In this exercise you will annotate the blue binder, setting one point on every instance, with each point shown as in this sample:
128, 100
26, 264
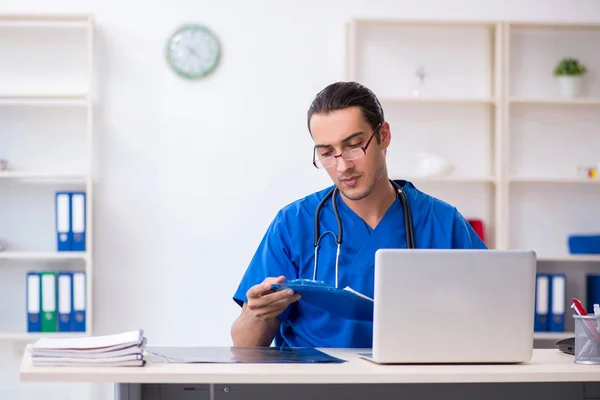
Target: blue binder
542, 302
344, 303
593, 292
79, 301
63, 221
65, 301
78, 220
558, 288
33, 301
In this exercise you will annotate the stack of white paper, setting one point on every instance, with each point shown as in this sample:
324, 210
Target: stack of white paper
118, 350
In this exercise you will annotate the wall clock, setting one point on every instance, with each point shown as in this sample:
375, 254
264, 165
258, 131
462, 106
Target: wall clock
193, 51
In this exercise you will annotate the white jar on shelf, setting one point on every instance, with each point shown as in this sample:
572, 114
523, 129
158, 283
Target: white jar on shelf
569, 86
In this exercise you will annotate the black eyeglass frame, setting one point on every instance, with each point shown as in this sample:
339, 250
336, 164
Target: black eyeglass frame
335, 157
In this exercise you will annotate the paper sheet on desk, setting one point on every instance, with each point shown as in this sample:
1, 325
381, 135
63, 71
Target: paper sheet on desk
347, 303
228, 355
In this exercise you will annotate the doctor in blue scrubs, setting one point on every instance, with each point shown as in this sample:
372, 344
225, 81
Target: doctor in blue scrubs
351, 136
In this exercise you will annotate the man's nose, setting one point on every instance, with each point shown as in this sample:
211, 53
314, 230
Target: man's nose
342, 164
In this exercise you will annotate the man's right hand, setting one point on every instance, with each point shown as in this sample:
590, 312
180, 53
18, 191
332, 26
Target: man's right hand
265, 304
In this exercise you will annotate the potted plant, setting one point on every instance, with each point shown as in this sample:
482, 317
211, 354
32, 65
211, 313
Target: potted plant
568, 73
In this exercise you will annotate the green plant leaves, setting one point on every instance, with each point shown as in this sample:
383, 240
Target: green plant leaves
569, 66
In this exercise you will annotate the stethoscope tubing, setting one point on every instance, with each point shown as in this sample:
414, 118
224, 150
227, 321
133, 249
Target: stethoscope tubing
410, 240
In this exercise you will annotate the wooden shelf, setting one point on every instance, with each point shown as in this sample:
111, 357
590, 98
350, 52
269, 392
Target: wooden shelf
57, 24
383, 22
557, 101
552, 335
450, 178
552, 25
44, 99
42, 255
533, 180
438, 100
43, 177
569, 258
33, 336
39, 20
44, 17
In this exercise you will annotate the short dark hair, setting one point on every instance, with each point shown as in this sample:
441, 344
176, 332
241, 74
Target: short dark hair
340, 95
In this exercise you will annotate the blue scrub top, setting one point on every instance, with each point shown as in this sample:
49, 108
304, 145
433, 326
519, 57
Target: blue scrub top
287, 249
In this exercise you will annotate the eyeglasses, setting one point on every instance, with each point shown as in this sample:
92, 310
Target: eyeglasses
348, 155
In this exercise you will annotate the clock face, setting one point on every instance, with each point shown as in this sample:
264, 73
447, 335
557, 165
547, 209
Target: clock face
193, 51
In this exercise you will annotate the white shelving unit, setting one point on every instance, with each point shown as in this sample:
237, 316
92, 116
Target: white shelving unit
47, 137
489, 105
462, 64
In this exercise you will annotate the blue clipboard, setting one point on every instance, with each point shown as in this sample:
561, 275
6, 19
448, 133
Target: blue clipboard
342, 302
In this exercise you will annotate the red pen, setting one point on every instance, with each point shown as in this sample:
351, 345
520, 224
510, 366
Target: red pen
578, 307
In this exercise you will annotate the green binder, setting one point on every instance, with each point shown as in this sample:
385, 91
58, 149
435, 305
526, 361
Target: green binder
49, 300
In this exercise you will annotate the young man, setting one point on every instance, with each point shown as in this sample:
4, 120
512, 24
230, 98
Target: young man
351, 136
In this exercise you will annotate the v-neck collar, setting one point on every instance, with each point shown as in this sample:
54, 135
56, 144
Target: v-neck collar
351, 219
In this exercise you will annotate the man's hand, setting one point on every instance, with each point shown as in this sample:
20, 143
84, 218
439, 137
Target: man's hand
267, 305
258, 322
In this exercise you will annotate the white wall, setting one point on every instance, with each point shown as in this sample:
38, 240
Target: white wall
175, 227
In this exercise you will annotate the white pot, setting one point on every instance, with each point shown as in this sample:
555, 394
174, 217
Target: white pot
568, 86
431, 165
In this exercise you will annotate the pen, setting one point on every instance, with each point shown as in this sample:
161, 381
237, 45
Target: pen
578, 307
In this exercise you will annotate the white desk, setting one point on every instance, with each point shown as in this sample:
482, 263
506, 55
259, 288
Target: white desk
549, 375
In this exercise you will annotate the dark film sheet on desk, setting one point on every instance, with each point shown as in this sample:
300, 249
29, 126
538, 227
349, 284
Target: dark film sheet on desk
230, 355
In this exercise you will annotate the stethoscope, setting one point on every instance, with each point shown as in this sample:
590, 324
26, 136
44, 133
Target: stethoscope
410, 240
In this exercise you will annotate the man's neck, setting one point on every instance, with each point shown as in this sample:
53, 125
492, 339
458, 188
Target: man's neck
372, 208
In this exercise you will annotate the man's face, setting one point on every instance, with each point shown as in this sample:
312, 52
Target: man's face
344, 130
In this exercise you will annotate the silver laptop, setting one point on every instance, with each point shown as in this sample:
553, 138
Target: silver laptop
453, 306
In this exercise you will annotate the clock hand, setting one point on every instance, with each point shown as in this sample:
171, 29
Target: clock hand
193, 52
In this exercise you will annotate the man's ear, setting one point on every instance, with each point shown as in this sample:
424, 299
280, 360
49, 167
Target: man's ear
385, 135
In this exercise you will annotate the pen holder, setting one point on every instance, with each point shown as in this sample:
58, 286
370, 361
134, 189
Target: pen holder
587, 339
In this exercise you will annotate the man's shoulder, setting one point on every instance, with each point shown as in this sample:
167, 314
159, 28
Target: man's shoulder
424, 199
305, 205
